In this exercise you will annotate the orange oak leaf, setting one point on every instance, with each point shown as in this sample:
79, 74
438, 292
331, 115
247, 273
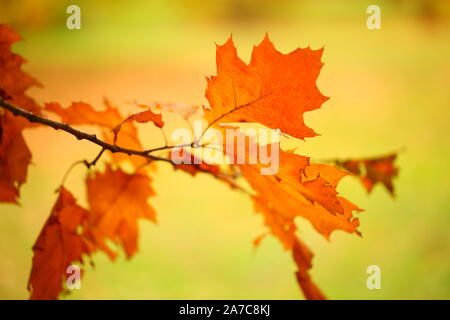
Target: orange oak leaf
141, 117
117, 200
285, 230
80, 113
315, 200
14, 82
274, 89
303, 257
374, 170
279, 226
320, 182
58, 246
297, 189
15, 155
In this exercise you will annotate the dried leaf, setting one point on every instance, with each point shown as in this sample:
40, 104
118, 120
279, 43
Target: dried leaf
117, 200
80, 113
274, 89
14, 82
15, 155
303, 257
285, 230
141, 117
58, 246
374, 170
315, 200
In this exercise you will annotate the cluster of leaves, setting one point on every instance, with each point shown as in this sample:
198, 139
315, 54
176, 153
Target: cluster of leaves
274, 90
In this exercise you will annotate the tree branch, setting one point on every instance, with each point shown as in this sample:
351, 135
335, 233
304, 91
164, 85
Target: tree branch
80, 135
94, 162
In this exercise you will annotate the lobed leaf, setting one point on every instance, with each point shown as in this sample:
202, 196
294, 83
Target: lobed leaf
58, 246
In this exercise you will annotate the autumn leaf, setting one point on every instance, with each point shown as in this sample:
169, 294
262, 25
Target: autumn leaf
117, 200
274, 89
373, 170
14, 82
315, 200
58, 246
141, 117
303, 257
15, 155
299, 188
80, 113
285, 230
282, 197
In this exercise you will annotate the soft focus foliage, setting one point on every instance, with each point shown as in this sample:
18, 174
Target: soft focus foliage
275, 90
387, 91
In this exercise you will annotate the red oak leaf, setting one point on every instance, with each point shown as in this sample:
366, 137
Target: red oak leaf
58, 246
117, 200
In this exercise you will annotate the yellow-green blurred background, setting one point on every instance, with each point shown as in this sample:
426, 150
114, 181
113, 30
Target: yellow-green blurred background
389, 90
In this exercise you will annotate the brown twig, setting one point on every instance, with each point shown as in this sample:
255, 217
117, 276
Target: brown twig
80, 135
93, 162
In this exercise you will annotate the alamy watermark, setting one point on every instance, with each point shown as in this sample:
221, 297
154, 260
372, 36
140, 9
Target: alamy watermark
73, 273
374, 280
374, 20
228, 146
74, 20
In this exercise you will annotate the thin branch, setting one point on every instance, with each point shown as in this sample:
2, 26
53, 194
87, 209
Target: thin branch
93, 162
195, 143
80, 135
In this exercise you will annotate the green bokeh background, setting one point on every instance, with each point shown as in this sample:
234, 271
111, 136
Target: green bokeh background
389, 91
